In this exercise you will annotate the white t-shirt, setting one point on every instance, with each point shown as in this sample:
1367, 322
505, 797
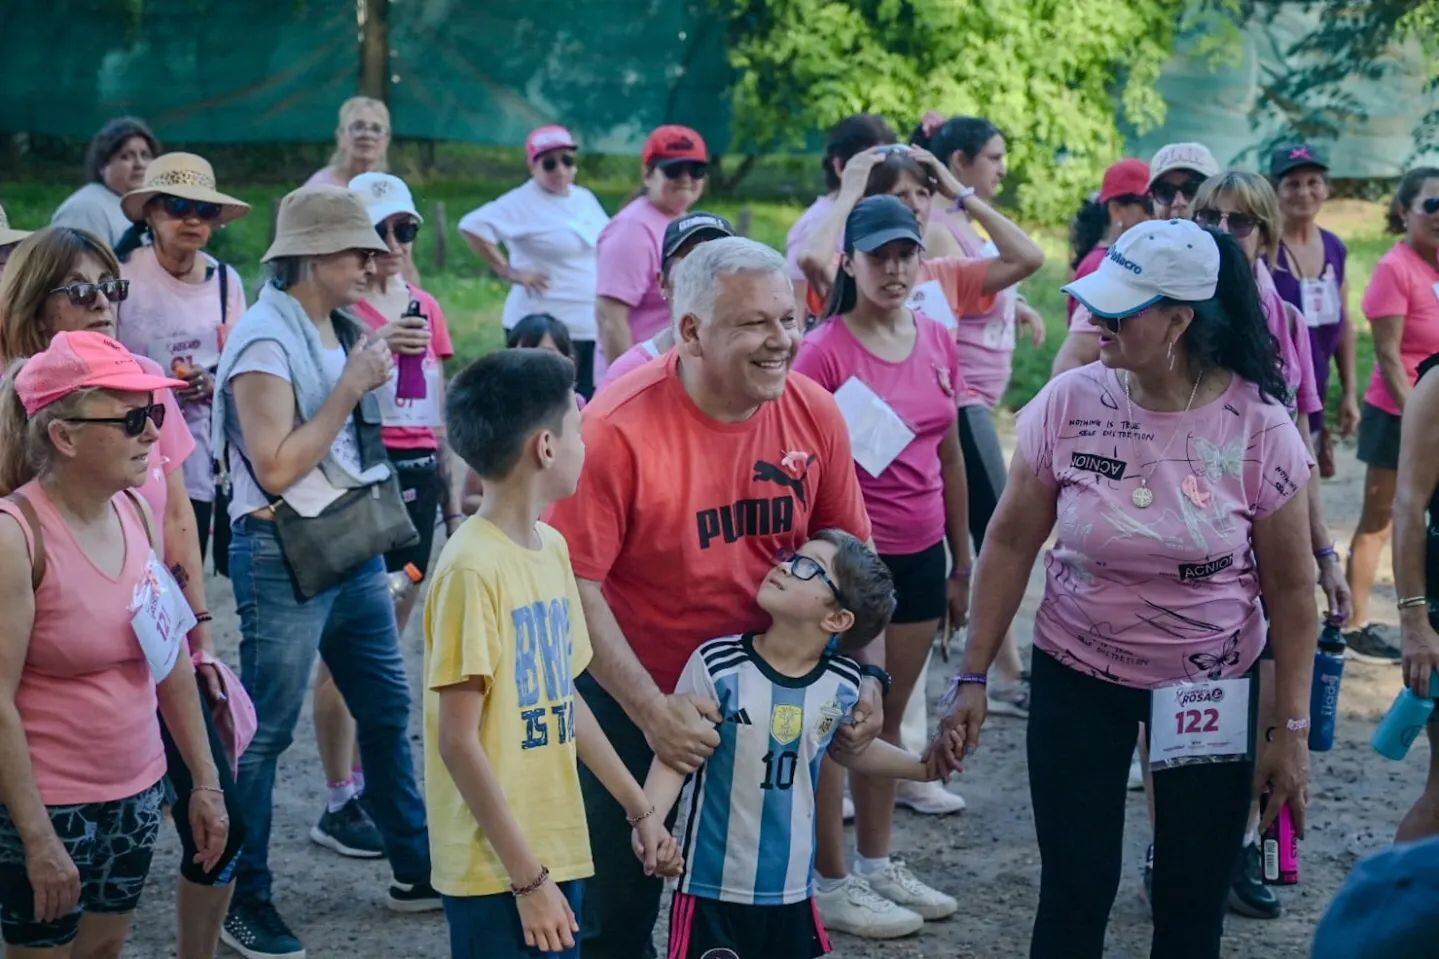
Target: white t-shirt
546, 233
266, 356
94, 207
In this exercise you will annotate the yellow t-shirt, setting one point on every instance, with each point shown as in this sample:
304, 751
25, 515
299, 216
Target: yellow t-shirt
511, 616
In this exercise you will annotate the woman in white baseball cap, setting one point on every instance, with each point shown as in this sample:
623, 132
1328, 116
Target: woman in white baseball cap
1175, 478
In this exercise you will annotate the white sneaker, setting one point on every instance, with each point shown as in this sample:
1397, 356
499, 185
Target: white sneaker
853, 907
1009, 699
847, 809
897, 884
928, 799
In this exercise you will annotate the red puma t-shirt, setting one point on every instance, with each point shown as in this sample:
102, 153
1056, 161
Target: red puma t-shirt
680, 515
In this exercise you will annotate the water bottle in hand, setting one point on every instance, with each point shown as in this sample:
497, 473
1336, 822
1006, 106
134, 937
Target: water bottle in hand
1324, 692
411, 382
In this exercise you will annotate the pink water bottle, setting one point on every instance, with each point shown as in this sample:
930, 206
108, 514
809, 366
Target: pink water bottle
1280, 847
411, 382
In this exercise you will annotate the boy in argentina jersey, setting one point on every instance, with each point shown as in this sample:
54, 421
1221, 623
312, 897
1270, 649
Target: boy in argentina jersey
746, 817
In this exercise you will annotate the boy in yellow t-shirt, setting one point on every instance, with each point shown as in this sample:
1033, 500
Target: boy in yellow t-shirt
504, 638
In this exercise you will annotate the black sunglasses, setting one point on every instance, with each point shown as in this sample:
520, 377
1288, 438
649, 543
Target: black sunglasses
1110, 323
133, 421
550, 162
1431, 205
83, 294
182, 209
1237, 225
405, 231
805, 568
1165, 192
694, 169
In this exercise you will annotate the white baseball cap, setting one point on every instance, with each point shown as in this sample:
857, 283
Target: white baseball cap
1183, 156
384, 195
1156, 260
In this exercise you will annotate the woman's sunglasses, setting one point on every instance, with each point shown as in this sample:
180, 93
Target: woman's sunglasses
550, 162
804, 568
694, 170
1165, 192
405, 231
132, 422
83, 294
182, 209
1237, 225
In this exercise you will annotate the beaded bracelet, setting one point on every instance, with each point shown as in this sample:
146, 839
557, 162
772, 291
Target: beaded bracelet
636, 820
521, 891
203, 617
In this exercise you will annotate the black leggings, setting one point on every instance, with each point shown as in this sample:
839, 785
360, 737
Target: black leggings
1081, 736
983, 467
180, 787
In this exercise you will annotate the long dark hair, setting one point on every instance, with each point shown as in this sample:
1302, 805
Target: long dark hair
1088, 227
897, 163
1230, 330
532, 329
967, 135
1410, 186
844, 293
853, 134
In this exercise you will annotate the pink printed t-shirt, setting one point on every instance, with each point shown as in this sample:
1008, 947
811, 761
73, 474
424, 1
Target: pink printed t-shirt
906, 501
985, 337
441, 348
86, 699
1294, 350
629, 266
632, 359
168, 454
1086, 266
1170, 593
798, 237
1404, 285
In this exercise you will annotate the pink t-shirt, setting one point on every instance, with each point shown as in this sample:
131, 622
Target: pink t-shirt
629, 266
798, 237
168, 454
633, 358
441, 349
1294, 349
326, 176
1405, 285
1149, 597
985, 337
1086, 266
85, 698
906, 501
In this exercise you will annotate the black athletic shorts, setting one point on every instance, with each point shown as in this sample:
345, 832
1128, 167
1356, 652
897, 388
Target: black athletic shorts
419, 474
711, 929
919, 588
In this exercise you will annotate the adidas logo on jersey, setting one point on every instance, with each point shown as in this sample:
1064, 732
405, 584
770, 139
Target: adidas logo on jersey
740, 718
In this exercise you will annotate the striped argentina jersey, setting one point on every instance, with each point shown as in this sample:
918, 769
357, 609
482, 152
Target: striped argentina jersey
746, 819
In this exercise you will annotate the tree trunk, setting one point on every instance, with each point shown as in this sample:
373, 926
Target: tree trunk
375, 49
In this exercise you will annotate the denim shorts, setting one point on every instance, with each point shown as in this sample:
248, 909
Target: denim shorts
110, 843
488, 927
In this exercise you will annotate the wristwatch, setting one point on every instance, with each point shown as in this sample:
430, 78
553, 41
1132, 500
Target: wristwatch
879, 674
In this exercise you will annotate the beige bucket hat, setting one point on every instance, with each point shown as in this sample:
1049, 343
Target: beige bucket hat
7, 235
184, 175
319, 220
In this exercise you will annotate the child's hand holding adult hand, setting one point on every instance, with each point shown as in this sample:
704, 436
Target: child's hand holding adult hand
547, 918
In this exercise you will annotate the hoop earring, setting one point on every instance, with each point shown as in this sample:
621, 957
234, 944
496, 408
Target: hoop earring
1171, 356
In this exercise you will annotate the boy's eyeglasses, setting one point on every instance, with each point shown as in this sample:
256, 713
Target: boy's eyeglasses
1165, 192
1237, 225
132, 422
83, 294
405, 231
805, 568
550, 162
180, 208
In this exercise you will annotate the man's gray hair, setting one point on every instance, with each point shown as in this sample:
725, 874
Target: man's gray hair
696, 279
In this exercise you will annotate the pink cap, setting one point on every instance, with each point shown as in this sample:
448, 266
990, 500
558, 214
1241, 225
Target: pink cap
84, 360
546, 138
1128, 177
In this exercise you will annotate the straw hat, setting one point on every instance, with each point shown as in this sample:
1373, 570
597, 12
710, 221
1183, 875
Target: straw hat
7, 235
184, 175
319, 220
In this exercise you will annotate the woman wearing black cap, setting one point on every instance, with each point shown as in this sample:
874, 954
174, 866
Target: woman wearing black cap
115, 163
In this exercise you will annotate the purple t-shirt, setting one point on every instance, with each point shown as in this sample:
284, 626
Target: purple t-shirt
906, 501
1169, 593
633, 358
628, 266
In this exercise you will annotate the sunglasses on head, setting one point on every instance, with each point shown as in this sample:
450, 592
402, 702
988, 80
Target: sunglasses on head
805, 568
1165, 192
1430, 205
694, 169
181, 208
132, 422
405, 231
1237, 225
83, 294
550, 162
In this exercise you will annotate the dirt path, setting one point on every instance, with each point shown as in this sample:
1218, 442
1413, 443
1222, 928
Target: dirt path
986, 855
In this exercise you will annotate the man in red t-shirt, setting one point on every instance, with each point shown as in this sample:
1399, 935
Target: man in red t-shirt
701, 469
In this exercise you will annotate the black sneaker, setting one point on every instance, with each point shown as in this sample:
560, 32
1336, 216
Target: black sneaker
1146, 880
413, 897
349, 832
1248, 895
256, 931
1370, 645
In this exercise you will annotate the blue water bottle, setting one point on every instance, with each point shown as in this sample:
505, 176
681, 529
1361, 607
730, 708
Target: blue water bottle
1405, 721
1324, 692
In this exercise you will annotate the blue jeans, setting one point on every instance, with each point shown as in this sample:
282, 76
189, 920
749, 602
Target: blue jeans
489, 927
352, 624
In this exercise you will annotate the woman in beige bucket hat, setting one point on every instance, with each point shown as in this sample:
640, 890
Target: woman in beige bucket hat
292, 407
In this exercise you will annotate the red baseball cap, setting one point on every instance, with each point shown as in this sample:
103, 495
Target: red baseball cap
671, 143
546, 138
1128, 177
84, 360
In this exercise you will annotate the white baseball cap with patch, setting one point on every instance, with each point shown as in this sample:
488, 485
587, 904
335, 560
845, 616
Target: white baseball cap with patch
1183, 156
1153, 261
384, 195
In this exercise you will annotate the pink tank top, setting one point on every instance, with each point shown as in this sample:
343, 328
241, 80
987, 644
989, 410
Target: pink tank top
86, 698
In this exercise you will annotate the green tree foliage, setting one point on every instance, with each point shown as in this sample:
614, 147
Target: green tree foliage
1049, 73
